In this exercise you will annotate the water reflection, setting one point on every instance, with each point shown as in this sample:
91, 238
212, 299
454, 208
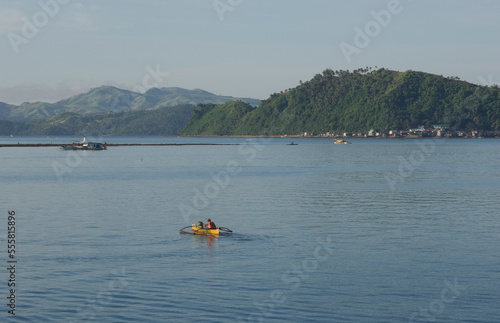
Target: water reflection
200, 240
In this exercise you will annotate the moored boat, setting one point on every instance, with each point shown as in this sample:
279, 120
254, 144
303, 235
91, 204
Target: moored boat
85, 145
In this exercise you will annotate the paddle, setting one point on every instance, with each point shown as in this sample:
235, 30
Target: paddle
186, 232
182, 230
220, 228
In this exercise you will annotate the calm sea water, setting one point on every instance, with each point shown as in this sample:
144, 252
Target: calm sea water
380, 230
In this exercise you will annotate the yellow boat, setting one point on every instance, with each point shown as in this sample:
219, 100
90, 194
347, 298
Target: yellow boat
206, 231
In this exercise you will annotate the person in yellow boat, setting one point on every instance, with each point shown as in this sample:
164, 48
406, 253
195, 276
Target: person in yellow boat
210, 224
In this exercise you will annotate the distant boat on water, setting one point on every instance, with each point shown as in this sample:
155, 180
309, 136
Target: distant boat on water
85, 145
341, 141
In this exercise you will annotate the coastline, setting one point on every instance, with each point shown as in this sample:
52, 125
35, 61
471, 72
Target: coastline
115, 145
19, 145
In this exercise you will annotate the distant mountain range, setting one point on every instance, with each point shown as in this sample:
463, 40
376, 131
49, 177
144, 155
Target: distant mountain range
109, 99
333, 101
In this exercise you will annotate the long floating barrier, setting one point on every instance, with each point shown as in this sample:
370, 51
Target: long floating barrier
115, 145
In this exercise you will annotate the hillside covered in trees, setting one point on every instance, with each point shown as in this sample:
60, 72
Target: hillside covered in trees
357, 101
109, 110
109, 99
167, 121
334, 101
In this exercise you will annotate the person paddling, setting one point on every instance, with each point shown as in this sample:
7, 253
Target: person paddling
210, 224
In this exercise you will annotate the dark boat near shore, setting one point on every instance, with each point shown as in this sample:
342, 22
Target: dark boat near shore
85, 145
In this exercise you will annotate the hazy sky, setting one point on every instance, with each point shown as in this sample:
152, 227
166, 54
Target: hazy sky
52, 49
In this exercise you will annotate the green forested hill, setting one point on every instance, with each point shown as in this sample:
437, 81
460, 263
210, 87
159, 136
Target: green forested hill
357, 101
166, 121
337, 101
5, 110
222, 119
109, 99
109, 110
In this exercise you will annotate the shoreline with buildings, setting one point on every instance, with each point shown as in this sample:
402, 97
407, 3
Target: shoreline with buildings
420, 132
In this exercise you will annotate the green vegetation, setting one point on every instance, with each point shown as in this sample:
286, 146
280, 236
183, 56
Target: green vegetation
167, 121
212, 119
108, 99
334, 101
357, 101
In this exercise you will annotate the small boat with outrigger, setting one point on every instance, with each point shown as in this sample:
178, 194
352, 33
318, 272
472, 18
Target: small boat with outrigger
202, 229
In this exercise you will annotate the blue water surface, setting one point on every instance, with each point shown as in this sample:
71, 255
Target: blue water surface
380, 230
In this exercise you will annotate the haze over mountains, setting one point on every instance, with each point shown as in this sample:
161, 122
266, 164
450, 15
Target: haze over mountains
109, 99
332, 101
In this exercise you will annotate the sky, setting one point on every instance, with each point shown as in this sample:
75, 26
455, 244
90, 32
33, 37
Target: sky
54, 49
